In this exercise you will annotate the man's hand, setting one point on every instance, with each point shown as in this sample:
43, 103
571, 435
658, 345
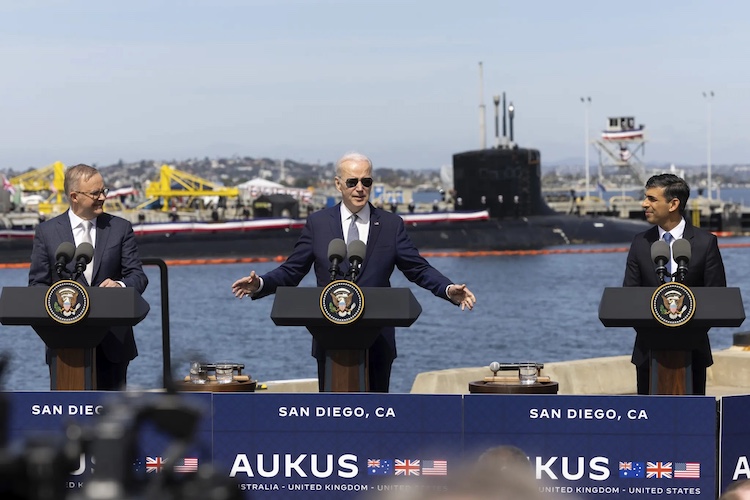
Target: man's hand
246, 286
109, 283
462, 296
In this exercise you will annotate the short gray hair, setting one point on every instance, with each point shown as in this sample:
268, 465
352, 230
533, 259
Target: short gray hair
75, 174
351, 156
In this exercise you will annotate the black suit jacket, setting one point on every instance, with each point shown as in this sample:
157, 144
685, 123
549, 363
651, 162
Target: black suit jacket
706, 268
115, 257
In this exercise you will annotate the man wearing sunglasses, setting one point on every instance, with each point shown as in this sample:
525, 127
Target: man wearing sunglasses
115, 262
388, 247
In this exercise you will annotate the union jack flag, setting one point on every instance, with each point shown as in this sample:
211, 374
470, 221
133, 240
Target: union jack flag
407, 467
8, 186
154, 464
659, 470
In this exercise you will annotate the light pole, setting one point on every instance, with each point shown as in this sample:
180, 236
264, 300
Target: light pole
709, 97
586, 103
511, 112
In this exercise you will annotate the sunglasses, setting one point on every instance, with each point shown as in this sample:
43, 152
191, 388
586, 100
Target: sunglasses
366, 182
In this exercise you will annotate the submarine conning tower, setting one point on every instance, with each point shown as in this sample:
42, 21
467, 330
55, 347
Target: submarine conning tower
505, 181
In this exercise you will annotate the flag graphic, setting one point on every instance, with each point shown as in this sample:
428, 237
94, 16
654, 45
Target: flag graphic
434, 467
407, 467
187, 465
632, 470
379, 467
154, 464
8, 186
659, 470
687, 470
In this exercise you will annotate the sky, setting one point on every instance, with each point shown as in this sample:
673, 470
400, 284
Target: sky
98, 82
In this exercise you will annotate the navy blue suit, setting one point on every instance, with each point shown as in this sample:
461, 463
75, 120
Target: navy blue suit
706, 268
115, 257
388, 247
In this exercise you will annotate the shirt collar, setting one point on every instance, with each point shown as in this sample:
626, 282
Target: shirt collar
364, 214
677, 233
75, 221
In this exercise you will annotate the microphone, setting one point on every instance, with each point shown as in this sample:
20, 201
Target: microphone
84, 254
357, 249
682, 254
660, 256
63, 255
336, 254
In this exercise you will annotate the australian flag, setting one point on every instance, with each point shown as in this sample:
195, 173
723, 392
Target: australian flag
632, 470
379, 467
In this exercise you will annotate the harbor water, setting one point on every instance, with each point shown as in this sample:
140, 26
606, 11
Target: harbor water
541, 308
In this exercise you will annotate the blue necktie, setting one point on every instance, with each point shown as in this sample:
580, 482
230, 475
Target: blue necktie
668, 238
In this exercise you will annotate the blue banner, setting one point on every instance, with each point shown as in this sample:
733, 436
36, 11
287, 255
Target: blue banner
735, 439
327, 446
618, 446
335, 445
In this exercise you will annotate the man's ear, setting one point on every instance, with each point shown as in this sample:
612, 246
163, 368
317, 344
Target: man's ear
674, 204
337, 183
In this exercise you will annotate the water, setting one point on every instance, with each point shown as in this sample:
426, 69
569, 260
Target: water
539, 308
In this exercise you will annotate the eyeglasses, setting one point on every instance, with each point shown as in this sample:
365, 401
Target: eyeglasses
366, 182
95, 194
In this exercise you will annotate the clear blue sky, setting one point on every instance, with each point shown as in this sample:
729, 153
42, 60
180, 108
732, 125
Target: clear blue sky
99, 81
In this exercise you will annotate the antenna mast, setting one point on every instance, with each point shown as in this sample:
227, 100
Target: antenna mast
482, 125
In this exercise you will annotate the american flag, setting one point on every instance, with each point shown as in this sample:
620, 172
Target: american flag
434, 467
154, 464
379, 467
632, 470
687, 470
407, 467
187, 465
659, 470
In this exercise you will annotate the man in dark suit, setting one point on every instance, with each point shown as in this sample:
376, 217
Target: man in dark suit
665, 203
388, 246
115, 263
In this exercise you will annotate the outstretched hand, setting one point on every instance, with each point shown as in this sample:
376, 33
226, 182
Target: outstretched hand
462, 296
246, 286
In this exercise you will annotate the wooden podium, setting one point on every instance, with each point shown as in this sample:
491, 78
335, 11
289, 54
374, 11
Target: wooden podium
345, 345
73, 364
670, 358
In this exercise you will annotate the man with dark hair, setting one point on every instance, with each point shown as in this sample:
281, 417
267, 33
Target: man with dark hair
665, 204
115, 263
388, 247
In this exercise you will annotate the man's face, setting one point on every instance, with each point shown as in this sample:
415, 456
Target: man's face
84, 204
659, 211
354, 198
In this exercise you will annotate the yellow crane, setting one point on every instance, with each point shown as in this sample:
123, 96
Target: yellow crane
173, 183
49, 179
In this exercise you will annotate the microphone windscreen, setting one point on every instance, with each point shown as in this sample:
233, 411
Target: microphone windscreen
357, 249
681, 250
66, 250
84, 251
337, 249
659, 250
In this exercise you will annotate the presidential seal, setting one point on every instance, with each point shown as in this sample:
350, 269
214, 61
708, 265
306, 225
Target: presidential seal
342, 302
673, 304
67, 302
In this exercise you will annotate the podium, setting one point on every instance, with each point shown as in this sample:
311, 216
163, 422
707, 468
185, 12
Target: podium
73, 365
345, 345
670, 359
